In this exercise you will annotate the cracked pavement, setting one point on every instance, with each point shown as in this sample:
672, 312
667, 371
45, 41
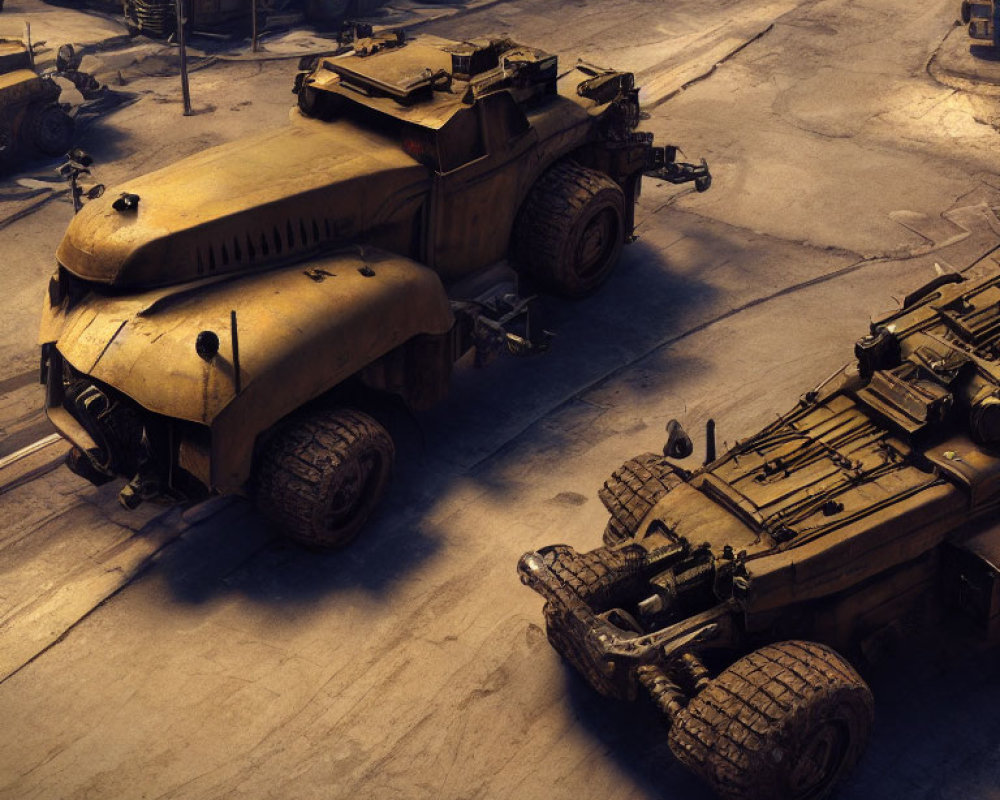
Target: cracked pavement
191, 655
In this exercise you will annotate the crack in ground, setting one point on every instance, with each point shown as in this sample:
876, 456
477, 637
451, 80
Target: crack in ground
137, 573
671, 340
141, 570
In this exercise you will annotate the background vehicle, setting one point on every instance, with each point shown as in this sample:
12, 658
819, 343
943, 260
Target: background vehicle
821, 531
215, 325
983, 20
158, 18
31, 118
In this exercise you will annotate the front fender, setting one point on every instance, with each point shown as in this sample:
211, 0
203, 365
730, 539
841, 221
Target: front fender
301, 330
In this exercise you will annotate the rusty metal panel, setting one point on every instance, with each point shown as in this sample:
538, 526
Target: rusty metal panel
889, 536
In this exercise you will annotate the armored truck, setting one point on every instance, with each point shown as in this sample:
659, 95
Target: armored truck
724, 593
221, 325
32, 120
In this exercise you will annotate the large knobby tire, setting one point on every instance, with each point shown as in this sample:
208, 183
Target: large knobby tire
51, 130
632, 490
8, 143
319, 477
786, 722
570, 231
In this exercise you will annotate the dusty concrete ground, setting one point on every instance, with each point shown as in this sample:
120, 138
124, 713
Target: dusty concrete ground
164, 655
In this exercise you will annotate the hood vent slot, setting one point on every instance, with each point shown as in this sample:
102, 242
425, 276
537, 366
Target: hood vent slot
211, 257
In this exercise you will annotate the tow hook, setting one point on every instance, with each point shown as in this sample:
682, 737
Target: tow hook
662, 164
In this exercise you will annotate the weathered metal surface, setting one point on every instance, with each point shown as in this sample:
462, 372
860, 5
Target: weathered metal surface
297, 337
983, 20
264, 201
19, 85
31, 118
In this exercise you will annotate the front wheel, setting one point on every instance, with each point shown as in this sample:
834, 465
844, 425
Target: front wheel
632, 491
320, 476
786, 722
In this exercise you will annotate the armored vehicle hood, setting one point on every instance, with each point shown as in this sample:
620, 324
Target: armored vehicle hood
264, 201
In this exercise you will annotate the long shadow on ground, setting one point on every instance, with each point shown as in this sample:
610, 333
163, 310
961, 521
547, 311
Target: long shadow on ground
487, 409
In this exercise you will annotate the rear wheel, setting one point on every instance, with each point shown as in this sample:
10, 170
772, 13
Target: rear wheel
51, 130
786, 722
570, 231
320, 476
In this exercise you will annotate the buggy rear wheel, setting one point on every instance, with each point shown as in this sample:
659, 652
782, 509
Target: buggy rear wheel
786, 722
320, 476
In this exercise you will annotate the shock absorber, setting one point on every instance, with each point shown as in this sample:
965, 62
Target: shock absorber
695, 674
666, 694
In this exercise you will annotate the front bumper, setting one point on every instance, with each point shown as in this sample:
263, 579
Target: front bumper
606, 654
109, 432
52, 371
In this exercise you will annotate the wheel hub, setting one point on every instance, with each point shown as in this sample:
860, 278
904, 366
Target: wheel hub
596, 242
353, 489
819, 760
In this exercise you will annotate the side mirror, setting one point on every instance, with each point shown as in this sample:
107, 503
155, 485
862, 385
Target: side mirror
678, 444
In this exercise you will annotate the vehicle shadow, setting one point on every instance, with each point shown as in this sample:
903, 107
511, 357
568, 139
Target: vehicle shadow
635, 736
984, 52
932, 738
477, 425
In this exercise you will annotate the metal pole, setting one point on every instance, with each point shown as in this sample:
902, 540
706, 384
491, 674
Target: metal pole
253, 39
185, 92
27, 41
75, 189
710, 441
